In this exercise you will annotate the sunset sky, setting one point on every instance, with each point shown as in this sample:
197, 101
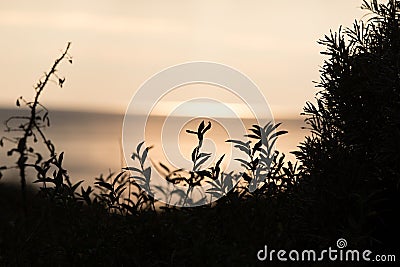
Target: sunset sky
117, 45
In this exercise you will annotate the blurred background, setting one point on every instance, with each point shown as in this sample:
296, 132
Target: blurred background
117, 45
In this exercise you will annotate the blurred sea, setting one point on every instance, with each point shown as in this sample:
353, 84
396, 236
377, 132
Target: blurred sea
92, 141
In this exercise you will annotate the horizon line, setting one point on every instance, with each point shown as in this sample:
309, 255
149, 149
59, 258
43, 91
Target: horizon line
116, 112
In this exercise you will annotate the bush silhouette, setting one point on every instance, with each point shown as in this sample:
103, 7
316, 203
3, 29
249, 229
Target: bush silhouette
350, 163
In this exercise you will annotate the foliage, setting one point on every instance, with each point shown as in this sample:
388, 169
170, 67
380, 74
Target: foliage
346, 183
121, 193
350, 163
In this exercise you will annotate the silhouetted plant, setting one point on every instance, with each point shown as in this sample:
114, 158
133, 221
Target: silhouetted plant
144, 176
195, 176
111, 190
61, 190
32, 130
198, 175
259, 155
258, 167
351, 160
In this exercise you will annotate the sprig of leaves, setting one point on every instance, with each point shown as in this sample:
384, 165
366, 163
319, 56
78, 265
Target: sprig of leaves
141, 176
259, 155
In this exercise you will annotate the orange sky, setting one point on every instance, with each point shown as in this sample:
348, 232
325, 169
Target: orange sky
117, 45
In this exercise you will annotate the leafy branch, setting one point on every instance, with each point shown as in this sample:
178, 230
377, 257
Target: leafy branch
259, 155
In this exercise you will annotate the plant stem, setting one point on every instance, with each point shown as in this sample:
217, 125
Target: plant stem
28, 131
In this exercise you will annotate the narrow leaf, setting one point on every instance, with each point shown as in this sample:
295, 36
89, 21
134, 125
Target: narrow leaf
207, 128
164, 167
198, 164
75, 186
61, 158
220, 160
278, 133
201, 127
132, 169
147, 173
139, 146
256, 131
105, 185
245, 163
144, 155
239, 143
252, 136
191, 132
